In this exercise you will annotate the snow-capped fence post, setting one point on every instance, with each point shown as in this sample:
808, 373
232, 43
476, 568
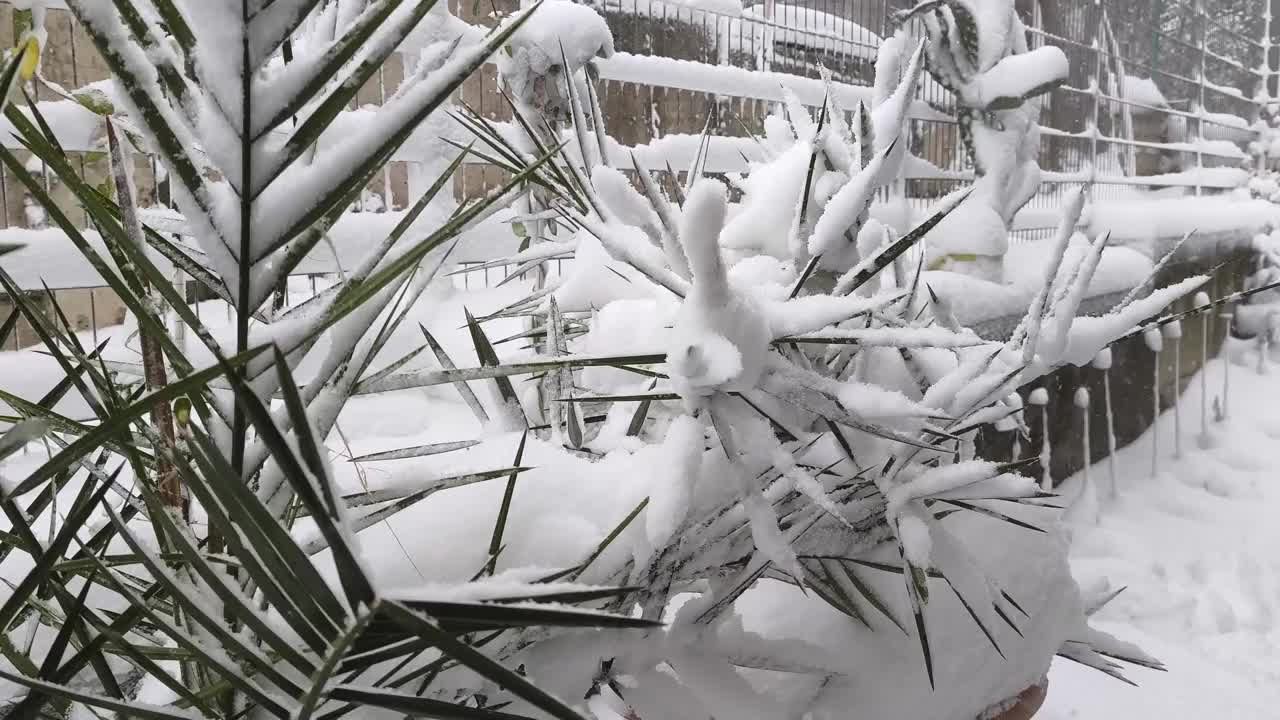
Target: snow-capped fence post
1102, 361
1173, 331
1229, 318
1201, 300
1086, 500
1155, 341
1040, 397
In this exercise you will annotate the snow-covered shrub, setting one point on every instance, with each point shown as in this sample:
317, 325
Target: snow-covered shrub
812, 519
977, 49
810, 200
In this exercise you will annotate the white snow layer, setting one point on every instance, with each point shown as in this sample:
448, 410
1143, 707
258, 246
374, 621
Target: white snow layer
1193, 546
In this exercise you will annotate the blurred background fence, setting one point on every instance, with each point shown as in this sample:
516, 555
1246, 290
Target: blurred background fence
1163, 95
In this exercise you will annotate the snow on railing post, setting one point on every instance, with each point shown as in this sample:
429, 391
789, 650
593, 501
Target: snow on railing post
1229, 318
1102, 361
1040, 397
1012, 423
1155, 341
1173, 331
1086, 501
1202, 299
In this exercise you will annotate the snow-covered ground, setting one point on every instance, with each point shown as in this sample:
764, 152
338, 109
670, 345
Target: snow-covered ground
1196, 546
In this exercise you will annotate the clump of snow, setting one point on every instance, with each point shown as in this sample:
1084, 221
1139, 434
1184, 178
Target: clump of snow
1154, 340
1017, 76
720, 338
914, 534
672, 493
1081, 398
548, 50
1143, 91
772, 194
594, 278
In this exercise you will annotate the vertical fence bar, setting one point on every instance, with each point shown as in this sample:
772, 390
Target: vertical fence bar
93, 313
766, 40
4, 195
1095, 88
1264, 96
386, 169
1202, 24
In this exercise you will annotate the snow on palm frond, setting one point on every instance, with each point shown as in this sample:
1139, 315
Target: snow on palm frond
240, 133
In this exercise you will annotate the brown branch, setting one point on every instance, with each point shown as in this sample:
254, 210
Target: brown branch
152, 354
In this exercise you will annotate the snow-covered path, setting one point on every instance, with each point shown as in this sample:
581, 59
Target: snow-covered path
1198, 547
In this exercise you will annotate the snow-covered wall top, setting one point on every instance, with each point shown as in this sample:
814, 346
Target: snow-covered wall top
1141, 220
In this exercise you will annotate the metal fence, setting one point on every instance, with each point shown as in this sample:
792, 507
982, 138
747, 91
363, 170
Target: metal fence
1162, 93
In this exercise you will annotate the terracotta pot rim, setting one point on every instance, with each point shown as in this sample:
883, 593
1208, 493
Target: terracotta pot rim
1026, 704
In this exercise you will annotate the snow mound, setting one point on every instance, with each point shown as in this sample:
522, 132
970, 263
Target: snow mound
557, 41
